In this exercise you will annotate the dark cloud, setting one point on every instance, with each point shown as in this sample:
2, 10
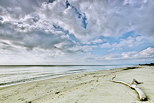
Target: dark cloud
36, 38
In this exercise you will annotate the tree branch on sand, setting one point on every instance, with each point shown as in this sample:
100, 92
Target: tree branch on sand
133, 85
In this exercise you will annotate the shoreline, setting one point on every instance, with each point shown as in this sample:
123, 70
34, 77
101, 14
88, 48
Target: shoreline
81, 88
21, 81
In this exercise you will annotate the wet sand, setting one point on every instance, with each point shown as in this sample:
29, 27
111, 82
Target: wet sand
91, 87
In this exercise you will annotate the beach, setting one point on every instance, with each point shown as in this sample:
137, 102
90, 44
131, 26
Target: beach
88, 87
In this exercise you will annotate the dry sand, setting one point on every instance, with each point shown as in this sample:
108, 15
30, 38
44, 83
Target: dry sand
92, 87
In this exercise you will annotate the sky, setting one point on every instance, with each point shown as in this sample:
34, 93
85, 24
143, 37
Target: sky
59, 32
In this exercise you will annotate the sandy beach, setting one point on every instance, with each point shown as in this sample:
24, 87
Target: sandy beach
91, 87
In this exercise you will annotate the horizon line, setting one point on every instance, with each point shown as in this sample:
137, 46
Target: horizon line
62, 65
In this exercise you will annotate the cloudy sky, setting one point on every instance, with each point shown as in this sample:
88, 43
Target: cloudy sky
76, 31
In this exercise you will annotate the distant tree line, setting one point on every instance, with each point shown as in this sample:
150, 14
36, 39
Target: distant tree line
151, 64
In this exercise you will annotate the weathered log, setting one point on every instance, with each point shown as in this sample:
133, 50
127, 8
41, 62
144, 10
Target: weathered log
141, 94
133, 85
135, 81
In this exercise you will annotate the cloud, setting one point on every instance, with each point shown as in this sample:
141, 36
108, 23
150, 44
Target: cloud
106, 18
72, 26
129, 42
149, 52
146, 53
110, 18
93, 42
38, 38
103, 17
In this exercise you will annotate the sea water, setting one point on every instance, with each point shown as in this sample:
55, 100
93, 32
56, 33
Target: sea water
10, 75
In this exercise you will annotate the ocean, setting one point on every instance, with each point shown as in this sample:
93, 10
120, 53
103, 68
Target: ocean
16, 74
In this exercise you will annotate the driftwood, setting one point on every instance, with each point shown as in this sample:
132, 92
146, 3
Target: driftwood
134, 86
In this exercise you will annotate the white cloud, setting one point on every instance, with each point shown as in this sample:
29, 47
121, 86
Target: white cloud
146, 53
149, 52
125, 43
95, 41
40, 24
105, 18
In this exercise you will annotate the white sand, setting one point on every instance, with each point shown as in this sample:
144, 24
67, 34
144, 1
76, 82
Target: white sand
92, 87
